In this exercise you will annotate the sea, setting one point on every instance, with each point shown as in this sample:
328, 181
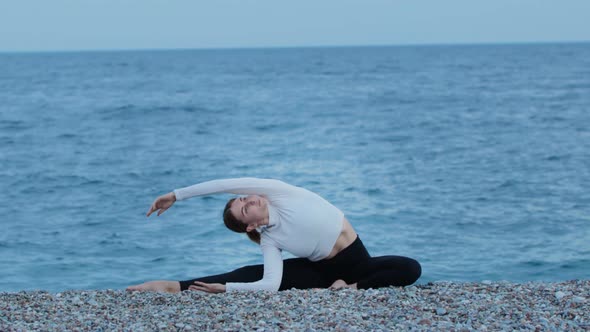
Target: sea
472, 159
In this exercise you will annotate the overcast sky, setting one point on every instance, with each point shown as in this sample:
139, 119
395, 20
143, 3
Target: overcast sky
164, 24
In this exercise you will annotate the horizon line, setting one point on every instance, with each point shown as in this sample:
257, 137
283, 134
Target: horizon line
237, 48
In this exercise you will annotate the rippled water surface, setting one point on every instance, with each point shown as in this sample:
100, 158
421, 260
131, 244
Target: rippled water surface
474, 160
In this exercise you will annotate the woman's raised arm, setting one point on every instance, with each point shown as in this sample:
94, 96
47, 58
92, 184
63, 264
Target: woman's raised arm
238, 186
247, 186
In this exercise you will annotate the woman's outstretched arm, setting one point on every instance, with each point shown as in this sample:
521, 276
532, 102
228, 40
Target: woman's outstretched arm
239, 186
249, 186
272, 276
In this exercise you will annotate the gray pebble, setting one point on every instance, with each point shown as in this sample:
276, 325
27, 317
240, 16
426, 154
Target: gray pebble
559, 295
440, 311
578, 299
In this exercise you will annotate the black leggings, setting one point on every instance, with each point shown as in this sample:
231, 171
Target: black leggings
352, 264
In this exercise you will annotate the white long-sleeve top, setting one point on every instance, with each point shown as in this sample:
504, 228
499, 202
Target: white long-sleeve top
300, 221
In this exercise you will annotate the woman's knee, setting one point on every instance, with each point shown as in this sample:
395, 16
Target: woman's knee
414, 270
407, 269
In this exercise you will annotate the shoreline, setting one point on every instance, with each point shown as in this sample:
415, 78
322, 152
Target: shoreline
433, 306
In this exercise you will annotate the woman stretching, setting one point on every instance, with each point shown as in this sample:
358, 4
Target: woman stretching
279, 216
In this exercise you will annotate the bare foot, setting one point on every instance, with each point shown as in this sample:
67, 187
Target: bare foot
342, 284
156, 286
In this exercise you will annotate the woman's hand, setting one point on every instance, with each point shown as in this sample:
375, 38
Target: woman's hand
205, 287
162, 203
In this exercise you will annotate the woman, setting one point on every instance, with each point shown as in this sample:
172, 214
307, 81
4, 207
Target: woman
279, 216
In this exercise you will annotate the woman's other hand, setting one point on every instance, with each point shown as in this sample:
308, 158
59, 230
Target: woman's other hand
205, 287
162, 203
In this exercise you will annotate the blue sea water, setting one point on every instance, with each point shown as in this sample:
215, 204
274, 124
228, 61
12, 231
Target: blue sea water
474, 160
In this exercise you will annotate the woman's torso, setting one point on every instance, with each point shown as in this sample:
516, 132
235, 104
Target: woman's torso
346, 238
306, 225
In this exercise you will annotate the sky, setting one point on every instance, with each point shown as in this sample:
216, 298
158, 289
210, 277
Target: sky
68, 25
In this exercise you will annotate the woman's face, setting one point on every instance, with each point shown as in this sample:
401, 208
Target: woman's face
250, 209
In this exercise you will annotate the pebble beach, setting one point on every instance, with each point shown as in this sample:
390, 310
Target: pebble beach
483, 306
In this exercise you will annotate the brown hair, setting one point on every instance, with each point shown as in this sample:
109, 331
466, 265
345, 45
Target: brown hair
237, 226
